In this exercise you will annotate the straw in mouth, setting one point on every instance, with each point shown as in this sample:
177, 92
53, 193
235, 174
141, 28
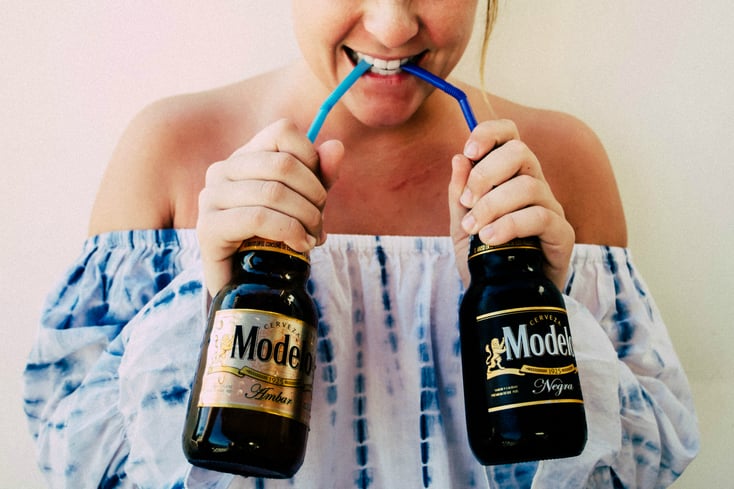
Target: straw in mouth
363, 67
445, 86
359, 70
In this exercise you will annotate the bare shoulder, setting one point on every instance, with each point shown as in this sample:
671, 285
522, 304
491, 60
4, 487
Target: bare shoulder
158, 167
577, 168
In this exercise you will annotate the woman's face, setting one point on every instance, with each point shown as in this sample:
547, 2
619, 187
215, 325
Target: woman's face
334, 34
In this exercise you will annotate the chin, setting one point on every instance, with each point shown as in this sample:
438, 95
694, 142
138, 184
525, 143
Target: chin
385, 114
384, 121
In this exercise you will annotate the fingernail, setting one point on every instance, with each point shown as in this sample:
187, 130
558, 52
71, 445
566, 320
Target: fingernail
469, 223
471, 150
311, 241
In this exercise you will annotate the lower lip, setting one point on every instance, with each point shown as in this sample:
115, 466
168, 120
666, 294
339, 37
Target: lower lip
377, 76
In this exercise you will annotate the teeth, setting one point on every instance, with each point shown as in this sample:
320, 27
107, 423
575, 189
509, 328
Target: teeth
382, 66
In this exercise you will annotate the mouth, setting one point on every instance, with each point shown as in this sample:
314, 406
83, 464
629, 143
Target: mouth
385, 67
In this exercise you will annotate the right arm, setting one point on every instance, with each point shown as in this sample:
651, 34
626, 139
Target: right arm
274, 187
72, 378
136, 189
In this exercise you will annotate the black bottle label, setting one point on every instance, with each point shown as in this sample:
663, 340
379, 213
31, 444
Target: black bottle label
529, 358
258, 360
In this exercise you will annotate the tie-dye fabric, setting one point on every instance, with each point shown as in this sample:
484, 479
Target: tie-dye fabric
109, 375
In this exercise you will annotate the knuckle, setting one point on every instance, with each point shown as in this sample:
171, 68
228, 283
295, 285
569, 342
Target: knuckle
282, 163
292, 228
320, 198
213, 173
484, 207
272, 191
283, 125
532, 185
511, 224
313, 219
510, 125
542, 216
257, 216
517, 148
479, 173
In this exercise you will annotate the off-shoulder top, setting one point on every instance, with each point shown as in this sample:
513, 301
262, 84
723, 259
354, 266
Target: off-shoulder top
108, 378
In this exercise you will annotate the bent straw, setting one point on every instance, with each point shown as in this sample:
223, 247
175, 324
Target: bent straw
442, 84
332, 99
362, 67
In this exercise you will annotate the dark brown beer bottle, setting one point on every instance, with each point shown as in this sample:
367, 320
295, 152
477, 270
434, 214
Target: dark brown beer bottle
250, 403
521, 386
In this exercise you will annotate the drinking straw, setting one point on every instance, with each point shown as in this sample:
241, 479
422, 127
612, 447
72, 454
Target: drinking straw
362, 67
445, 86
332, 99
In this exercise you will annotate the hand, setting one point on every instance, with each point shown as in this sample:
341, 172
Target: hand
274, 187
503, 196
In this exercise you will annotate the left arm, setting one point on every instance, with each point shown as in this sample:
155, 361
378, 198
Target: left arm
642, 425
505, 195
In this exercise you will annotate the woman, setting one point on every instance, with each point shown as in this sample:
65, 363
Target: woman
397, 184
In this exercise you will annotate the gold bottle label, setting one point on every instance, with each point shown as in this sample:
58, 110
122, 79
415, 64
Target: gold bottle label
269, 245
479, 248
259, 360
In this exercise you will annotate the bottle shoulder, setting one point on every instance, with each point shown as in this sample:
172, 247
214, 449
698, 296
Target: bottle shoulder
510, 292
256, 265
294, 302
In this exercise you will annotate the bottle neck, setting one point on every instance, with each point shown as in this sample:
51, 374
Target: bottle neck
521, 256
264, 260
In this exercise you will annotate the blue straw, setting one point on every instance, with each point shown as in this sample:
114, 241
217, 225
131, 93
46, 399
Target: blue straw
362, 67
442, 84
332, 99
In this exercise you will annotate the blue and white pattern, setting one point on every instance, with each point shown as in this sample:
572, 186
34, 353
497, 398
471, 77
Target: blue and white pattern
108, 379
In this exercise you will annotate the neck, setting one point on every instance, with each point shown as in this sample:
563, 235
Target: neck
393, 179
400, 151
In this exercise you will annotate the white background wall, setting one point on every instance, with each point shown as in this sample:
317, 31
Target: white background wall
654, 78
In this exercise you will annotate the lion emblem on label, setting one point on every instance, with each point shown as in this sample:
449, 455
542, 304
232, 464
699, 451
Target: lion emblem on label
494, 355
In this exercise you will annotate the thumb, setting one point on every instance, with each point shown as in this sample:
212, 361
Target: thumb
330, 156
460, 169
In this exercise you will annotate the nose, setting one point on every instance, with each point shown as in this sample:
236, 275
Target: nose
391, 22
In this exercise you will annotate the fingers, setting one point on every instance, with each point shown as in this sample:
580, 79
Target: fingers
502, 194
330, 156
557, 242
488, 136
283, 137
277, 181
265, 208
226, 227
505, 187
523, 204
506, 162
461, 167
274, 187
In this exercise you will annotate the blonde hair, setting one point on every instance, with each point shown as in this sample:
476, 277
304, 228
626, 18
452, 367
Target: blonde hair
489, 20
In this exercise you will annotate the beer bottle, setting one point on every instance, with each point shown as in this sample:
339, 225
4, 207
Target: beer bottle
250, 404
521, 386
